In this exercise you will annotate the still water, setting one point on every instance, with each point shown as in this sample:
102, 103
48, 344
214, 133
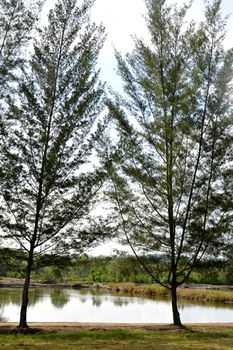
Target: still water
70, 305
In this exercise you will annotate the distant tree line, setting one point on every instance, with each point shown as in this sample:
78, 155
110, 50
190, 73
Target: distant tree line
118, 268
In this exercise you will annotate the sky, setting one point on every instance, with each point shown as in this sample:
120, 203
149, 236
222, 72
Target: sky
123, 19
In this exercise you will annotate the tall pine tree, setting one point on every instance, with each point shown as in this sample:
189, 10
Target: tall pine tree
48, 186
170, 177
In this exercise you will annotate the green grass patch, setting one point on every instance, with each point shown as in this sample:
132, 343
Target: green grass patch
192, 294
120, 339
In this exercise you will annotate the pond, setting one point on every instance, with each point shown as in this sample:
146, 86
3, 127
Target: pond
71, 305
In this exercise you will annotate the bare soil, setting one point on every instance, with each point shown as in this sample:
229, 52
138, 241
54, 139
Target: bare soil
11, 327
8, 282
18, 282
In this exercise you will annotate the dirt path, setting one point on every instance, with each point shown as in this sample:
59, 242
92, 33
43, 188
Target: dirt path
9, 282
18, 282
67, 326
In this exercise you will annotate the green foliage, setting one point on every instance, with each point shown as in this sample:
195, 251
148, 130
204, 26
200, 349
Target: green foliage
50, 275
45, 192
170, 182
12, 263
60, 99
116, 269
48, 187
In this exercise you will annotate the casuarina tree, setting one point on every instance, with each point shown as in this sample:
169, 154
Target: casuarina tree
48, 184
171, 173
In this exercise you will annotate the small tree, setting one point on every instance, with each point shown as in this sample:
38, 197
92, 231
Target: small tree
171, 171
47, 192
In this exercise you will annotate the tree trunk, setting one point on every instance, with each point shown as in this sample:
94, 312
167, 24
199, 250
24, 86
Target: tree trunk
175, 312
24, 304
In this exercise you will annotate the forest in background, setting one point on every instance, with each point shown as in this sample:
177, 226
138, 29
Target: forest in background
118, 268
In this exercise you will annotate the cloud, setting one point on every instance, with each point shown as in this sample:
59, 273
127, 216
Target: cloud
122, 19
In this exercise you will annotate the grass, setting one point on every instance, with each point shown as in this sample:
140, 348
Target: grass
121, 339
192, 294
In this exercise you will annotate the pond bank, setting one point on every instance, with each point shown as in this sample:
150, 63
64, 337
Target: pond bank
72, 326
202, 293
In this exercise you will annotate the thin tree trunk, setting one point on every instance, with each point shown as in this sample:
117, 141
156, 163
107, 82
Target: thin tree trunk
175, 312
24, 304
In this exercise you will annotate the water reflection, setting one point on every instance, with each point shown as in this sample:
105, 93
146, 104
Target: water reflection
97, 301
13, 296
69, 305
120, 302
59, 298
2, 318
10, 296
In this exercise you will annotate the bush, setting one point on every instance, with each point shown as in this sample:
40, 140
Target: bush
51, 275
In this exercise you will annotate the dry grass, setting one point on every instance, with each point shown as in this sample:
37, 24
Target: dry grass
192, 294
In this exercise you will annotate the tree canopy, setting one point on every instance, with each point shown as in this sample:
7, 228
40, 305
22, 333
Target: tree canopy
48, 186
172, 174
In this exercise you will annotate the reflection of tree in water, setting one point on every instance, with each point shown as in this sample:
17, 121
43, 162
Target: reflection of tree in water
91, 292
96, 301
205, 304
14, 295
59, 298
35, 295
120, 301
139, 301
2, 318
10, 296
82, 299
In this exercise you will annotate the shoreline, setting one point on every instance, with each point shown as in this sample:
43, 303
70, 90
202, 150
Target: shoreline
201, 293
76, 326
12, 282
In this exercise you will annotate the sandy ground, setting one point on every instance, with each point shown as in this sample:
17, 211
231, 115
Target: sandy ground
9, 282
18, 282
56, 326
